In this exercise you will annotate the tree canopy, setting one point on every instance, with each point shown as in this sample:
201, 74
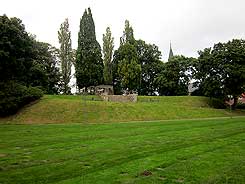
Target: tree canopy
108, 46
65, 55
127, 69
89, 63
149, 59
44, 72
175, 76
17, 58
16, 50
29, 67
221, 70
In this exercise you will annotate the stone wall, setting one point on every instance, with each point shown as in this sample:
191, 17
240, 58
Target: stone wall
120, 98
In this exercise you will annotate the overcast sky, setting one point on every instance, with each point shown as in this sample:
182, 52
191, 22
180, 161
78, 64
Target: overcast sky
191, 25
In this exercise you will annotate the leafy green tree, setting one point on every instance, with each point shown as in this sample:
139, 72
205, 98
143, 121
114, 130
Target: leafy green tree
149, 59
117, 56
126, 67
221, 70
65, 55
175, 76
16, 51
44, 72
89, 63
16, 60
108, 46
128, 34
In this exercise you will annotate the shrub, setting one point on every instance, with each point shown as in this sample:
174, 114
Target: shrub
33, 93
240, 105
217, 103
13, 96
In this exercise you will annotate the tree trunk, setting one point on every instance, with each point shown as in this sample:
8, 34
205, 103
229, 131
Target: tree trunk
235, 103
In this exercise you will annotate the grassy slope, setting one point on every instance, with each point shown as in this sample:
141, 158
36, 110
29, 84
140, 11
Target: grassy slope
185, 151
74, 109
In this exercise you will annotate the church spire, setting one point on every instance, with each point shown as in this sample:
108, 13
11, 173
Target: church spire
170, 53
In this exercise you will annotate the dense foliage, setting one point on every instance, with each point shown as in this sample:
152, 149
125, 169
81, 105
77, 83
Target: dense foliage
44, 72
221, 70
149, 59
89, 63
14, 95
108, 46
175, 76
27, 67
66, 56
16, 51
127, 69
137, 67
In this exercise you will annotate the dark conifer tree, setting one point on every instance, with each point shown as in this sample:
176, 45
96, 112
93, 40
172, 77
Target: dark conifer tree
89, 63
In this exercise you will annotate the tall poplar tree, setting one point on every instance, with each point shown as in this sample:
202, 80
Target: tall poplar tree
128, 34
89, 63
108, 46
66, 55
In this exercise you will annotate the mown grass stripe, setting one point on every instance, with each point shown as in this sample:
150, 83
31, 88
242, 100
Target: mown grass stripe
113, 153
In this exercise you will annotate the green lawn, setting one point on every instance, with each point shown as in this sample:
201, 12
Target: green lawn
181, 151
75, 109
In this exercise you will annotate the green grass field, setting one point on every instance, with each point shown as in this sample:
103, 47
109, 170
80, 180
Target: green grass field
67, 140
182, 151
75, 109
